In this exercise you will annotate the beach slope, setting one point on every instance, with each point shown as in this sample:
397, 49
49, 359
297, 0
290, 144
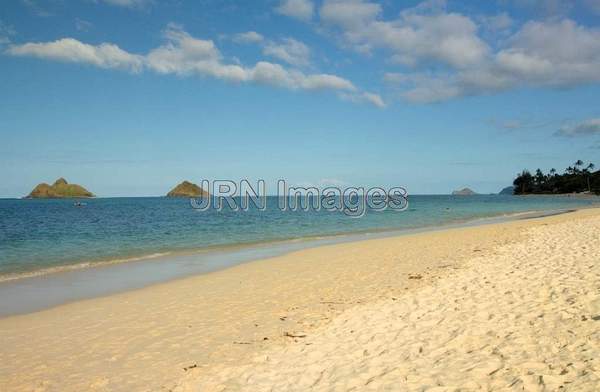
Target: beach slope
526, 317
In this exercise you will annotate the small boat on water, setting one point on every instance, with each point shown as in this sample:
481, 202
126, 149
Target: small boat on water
79, 204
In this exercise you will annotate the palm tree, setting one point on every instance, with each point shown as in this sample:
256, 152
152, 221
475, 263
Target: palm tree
591, 167
551, 180
539, 179
594, 176
576, 178
587, 172
523, 183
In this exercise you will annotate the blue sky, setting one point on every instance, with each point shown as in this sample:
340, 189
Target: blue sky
130, 97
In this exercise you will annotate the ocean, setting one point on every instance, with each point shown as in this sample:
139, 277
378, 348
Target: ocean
40, 236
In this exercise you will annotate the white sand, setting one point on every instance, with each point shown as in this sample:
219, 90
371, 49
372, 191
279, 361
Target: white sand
526, 318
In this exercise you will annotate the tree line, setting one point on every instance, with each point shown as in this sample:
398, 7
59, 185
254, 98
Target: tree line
575, 179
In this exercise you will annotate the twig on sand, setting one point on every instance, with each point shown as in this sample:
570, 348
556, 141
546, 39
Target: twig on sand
291, 335
190, 367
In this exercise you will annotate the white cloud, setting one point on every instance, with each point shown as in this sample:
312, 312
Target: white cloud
584, 128
351, 15
289, 50
70, 50
276, 75
249, 37
299, 9
375, 99
360, 97
553, 53
363, 97
184, 55
273, 74
420, 34
426, 88
541, 54
326, 82
451, 57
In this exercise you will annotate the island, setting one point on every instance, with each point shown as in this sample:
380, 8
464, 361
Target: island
61, 189
464, 192
187, 189
509, 190
576, 179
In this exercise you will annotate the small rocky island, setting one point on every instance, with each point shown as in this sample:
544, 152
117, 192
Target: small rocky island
61, 189
509, 190
464, 192
187, 189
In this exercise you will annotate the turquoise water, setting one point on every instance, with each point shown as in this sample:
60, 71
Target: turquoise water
44, 234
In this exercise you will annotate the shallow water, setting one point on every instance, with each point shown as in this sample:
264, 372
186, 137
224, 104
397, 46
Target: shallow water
50, 235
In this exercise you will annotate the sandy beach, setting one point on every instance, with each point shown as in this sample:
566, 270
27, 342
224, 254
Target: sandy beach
508, 306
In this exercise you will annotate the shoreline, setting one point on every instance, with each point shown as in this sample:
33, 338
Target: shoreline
25, 264
144, 339
359, 234
90, 280
141, 257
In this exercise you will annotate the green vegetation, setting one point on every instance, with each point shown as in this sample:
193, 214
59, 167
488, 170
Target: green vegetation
576, 179
60, 189
187, 189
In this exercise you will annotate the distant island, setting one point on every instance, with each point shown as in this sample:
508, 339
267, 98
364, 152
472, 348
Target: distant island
509, 190
187, 189
464, 192
59, 190
579, 178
